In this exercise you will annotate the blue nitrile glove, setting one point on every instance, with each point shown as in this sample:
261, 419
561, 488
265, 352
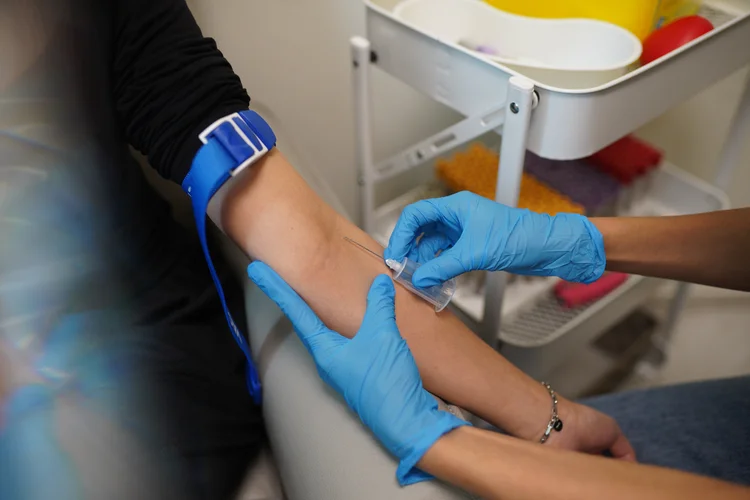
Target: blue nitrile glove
474, 233
375, 371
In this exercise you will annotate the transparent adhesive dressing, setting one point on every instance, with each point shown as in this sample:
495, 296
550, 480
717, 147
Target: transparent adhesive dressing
438, 295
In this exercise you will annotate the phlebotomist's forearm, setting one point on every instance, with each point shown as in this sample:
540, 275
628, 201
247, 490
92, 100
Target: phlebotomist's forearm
710, 249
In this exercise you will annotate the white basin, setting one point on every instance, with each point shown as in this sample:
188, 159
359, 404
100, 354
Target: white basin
566, 53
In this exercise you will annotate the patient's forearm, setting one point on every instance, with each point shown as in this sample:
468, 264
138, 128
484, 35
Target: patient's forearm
503, 468
275, 217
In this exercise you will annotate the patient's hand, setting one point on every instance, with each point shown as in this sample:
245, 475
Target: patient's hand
589, 431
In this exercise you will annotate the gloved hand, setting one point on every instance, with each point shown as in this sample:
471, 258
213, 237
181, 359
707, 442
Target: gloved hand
374, 372
474, 233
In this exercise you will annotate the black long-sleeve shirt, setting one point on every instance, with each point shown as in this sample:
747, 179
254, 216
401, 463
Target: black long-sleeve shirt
137, 73
169, 82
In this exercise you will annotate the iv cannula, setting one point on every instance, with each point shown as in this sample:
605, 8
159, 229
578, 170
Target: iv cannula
438, 295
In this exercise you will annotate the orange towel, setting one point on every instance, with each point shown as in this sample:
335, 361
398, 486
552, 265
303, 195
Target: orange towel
475, 170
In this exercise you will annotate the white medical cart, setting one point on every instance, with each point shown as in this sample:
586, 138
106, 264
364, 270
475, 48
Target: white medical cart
522, 319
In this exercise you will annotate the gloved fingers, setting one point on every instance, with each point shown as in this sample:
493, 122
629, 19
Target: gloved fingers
311, 330
428, 247
410, 225
381, 308
440, 269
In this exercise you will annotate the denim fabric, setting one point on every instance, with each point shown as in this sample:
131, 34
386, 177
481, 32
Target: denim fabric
702, 427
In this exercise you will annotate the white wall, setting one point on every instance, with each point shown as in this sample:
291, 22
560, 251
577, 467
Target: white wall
692, 134
293, 56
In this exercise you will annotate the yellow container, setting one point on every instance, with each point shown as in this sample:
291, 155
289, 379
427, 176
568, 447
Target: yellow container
638, 16
669, 10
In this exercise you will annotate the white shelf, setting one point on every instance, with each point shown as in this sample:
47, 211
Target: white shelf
568, 123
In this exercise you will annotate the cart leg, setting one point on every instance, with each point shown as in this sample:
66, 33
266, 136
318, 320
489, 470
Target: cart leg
736, 140
520, 103
730, 158
660, 341
362, 124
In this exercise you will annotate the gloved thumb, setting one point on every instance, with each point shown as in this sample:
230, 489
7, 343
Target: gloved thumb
381, 308
408, 227
439, 270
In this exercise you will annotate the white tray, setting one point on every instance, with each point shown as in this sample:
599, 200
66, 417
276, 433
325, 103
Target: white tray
533, 322
568, 123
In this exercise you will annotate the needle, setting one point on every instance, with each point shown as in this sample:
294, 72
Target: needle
362, 247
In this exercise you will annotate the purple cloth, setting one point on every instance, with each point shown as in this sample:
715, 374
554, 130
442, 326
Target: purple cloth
582, 183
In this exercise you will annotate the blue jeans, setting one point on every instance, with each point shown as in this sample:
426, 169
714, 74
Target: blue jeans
703, 428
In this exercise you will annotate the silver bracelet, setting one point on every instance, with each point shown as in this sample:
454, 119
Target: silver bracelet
554, 421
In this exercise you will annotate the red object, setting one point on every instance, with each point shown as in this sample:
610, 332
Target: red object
575, 294
673, 36
627, 159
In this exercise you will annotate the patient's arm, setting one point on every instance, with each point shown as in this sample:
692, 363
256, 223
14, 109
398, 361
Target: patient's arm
498, 467
275, 217
170, 83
